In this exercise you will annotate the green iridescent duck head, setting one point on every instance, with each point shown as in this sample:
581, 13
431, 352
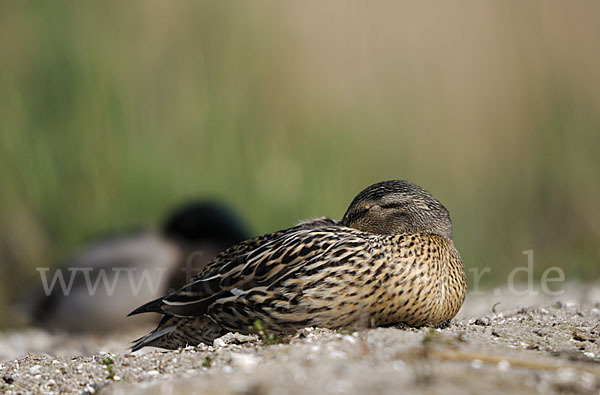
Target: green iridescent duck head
393, 207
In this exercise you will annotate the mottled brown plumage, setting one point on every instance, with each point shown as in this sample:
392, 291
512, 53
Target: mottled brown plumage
390, 260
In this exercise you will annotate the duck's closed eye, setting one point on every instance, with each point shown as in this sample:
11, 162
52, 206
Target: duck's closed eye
392, 205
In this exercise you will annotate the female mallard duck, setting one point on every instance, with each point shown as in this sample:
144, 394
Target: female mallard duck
390, 260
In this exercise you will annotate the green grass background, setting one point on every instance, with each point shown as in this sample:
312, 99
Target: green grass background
112, 113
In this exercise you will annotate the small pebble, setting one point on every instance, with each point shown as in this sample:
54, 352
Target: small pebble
503, 365
477, 363
218, 343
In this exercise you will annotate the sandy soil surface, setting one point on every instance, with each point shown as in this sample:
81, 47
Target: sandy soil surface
535, 344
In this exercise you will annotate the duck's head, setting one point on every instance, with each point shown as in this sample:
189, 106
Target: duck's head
205, 221
393, 207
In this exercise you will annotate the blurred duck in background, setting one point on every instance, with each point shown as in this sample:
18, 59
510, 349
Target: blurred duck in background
109, 278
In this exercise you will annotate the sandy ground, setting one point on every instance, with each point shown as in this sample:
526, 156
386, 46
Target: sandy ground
533, 344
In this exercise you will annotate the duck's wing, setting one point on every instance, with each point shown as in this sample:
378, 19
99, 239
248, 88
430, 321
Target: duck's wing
224, 272
260, 267
222, 262
209, 307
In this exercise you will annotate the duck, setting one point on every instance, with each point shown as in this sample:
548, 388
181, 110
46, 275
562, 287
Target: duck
390, 261
189, 238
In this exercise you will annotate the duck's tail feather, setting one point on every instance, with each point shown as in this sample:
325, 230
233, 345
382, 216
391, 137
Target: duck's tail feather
154, 306
176, 332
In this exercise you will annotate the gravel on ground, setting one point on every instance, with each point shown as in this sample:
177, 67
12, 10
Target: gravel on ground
545, 345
